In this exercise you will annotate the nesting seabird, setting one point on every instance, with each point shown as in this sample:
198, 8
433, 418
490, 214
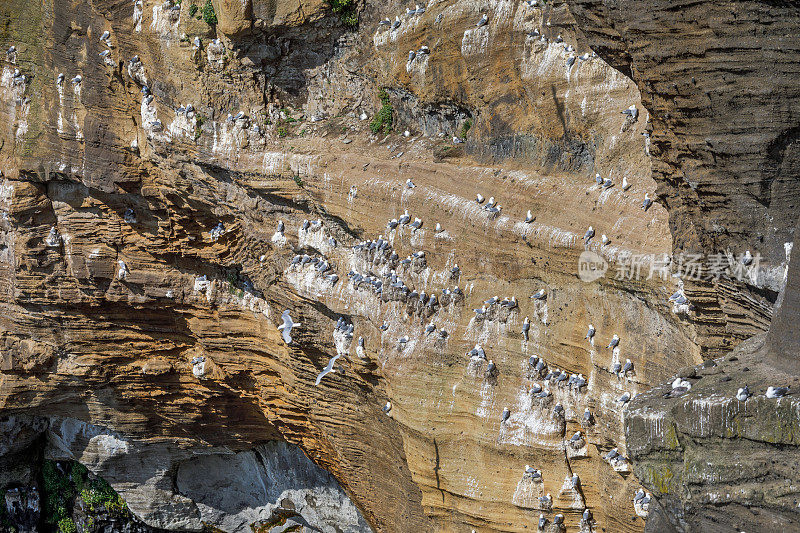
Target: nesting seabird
541, 294
679, 298
60, 79
484, 20
588, 235
625, 398
777, 392
411, 55
479, 198
123, 269
396, 23
424, 50
607, 183
611, 455
598, 179
526, 326
743, 394
542, 521
604, 239
679, 386
627, 367
410, 184
625, 184
590, 332
529, 217
506, 414
546, 501
614, 342
77, 79
647, 202
747, 258
105, 35
387, 407
631, 112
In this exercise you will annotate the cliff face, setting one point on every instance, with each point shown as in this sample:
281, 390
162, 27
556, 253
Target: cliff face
149, 250
719, 81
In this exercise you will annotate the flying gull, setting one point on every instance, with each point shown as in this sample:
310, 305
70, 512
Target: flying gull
328, 368
287, 326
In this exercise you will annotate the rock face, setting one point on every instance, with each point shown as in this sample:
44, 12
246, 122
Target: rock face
182, 187
724, 136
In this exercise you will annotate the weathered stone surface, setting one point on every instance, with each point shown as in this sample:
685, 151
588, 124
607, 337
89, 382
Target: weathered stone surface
166, 251
718, 80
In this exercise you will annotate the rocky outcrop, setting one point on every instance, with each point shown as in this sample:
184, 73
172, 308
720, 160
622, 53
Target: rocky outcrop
183, 185
718, 82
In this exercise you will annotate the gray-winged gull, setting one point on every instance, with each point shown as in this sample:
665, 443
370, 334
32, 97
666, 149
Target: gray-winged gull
777, 392
743, 394
647, 202
588, 235
328, 368
287, 326
614, 342
123, 269
541, 294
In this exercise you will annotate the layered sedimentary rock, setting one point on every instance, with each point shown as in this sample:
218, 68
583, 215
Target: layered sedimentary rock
719, 82
165, 202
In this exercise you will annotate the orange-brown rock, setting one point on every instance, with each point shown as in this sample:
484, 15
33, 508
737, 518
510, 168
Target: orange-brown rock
144, 274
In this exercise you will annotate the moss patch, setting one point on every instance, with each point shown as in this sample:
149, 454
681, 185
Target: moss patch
382, 121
